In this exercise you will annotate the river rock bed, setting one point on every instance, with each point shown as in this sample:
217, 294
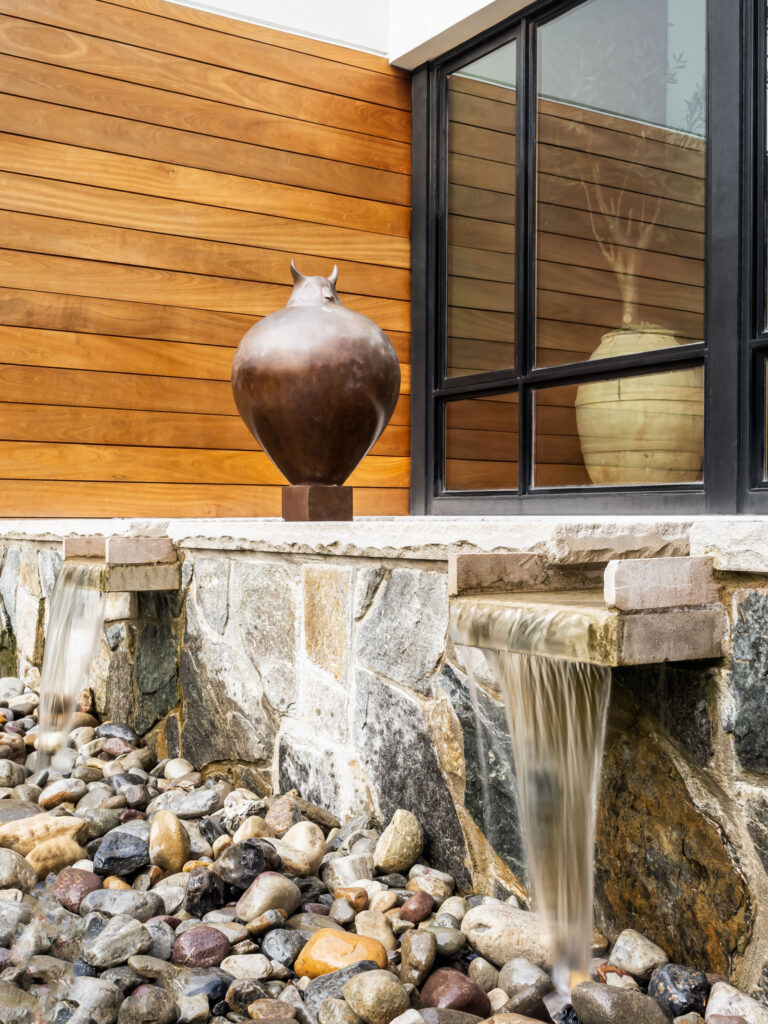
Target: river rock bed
138, 892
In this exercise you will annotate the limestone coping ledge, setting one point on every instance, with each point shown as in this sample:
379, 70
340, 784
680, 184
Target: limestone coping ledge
130, 564
735, 543
578, 625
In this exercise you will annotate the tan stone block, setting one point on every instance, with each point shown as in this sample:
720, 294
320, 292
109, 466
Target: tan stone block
139, 550
85, 547
165, 576
638, 583
688, 635
327, 617
120, 605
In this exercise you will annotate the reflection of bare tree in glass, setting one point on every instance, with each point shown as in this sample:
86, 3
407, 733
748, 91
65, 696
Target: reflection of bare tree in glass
626, 224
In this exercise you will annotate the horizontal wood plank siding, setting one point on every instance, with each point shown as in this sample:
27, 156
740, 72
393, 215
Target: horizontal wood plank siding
159, 168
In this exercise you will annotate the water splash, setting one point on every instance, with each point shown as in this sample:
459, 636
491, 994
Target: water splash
74, 628
556, 714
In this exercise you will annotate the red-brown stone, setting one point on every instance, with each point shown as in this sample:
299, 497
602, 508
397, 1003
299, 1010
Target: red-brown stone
417, 908
202, 946
116, 747
449, 989
73, 885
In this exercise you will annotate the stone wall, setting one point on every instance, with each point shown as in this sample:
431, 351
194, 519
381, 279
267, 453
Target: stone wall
315, 656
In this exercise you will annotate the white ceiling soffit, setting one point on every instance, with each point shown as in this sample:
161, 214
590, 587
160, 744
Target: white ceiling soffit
360, 26
423, 30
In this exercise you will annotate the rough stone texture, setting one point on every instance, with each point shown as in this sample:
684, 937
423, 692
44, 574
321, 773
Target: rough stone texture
491, 785
9, 579
212, 591
747, 718
366, 584
327, 617
265, 608
385, 724
311, 769
8, 660
403, 635
661, 867
156, 673
680, 698
219, 685
757, 824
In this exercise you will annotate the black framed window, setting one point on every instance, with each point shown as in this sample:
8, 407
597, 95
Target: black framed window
579, 238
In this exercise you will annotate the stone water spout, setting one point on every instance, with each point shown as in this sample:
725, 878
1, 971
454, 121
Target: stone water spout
547, 637
93, 567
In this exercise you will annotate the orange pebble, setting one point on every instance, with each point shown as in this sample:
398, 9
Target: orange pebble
358, 898
113, 882
329, 950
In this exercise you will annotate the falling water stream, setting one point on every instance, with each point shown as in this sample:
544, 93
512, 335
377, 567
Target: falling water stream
556, 714
74, 627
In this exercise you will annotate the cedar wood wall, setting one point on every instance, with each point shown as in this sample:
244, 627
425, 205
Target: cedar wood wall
159, 168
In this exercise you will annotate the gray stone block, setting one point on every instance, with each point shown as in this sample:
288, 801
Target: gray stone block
212, 591
747, 717
390, 733
403, 636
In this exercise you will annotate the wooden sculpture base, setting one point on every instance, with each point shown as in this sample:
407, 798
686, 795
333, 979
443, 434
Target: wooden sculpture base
304, 503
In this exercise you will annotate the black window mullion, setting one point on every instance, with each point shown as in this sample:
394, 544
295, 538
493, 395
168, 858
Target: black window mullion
525, 283
724, 266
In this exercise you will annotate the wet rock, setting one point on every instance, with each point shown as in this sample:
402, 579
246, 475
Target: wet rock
169, 843
336, 1011
283, 945
449, 940
681, 989
241, 863
374, 925
636, 954
689, 896
519, 974
201, 946
187, 805
162, 936
62, 791
725, 1000
97, 1000
331, 985
329, 950
72, 885
11, 774
605, 1004
400, 844
417, 907
418, 950
122, 937
54, 854
206, 891
15, 871
450, 989
141, 905
121, 853
149, 1006
252, 966
376, 996
343, 872
269, 891
500, 932
301, 849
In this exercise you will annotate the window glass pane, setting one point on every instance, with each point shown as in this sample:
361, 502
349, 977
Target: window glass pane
481, 443
620, 179
629, 430
481, 214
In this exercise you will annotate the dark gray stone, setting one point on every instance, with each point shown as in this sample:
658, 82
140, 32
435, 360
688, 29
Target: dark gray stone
330, 986
681, 989
211, 676
678, 697
121, 854
157, 688
748, 716
491, 784
403, 635
312, 770
283, 945
115, 634
398, 753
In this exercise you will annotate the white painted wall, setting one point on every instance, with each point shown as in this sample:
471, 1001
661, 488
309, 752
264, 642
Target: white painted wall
422, 30
361, 25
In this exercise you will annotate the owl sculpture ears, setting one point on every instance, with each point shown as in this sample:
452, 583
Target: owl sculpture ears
297, 275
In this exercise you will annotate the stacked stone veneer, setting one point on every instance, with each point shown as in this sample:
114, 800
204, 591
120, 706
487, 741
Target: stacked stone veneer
316, 657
